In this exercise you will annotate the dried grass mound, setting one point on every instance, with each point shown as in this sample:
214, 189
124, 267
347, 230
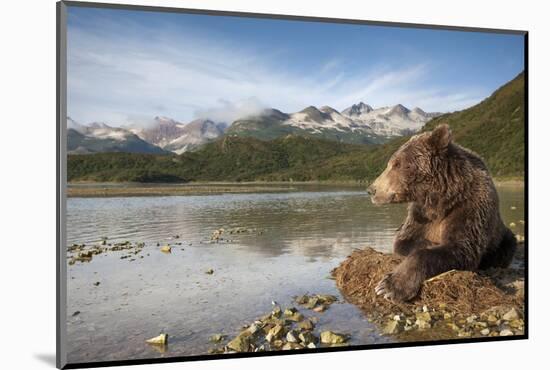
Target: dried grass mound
464, 292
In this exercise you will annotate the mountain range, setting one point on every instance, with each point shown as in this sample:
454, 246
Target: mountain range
494, 128
358, 124
99, 137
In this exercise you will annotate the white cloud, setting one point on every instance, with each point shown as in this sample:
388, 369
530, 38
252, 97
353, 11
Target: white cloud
227, 111
115, 78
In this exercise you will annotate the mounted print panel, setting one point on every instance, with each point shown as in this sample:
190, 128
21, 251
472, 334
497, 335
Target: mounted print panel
236, 184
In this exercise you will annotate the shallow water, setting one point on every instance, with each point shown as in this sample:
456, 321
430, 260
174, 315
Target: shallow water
296, 239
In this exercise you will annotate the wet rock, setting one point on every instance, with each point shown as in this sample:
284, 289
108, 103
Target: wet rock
453, 326
423, 320
216, 338
166, 249
215, 350
160, 339
296, 317
320, 308
311, 303
276, 312
253, 329
216, 234
290, 346
511, 315
422, 325
291, 337
84, 256
516, 324
275, 333
241, 343
329, 337
290, 311
303, 299
307, 337
506, 332
305, 325
392, 327
311, 345
326, 298
492, 320
485, 332
292, 314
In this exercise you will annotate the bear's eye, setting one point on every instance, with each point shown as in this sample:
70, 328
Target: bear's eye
396, 164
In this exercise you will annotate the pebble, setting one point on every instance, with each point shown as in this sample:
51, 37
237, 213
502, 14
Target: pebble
160, 339
329, 337
392, 327
291, 337
511, 315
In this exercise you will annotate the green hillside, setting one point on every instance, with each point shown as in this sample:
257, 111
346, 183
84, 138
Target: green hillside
229, 159
493, 128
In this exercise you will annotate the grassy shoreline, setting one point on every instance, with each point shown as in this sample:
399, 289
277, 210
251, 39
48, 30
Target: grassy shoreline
93, 189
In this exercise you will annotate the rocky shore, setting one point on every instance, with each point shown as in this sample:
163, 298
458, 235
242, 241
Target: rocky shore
456, 304
288, 329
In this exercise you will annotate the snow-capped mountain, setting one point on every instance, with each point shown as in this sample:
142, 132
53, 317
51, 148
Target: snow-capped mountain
359, 123
357, 109
179, 137
194, 134
161, 132
100, 137
397, 120
159, 136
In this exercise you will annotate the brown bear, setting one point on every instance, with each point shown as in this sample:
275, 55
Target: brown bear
453, 219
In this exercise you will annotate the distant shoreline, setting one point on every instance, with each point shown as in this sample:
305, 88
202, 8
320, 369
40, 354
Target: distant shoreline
112, 189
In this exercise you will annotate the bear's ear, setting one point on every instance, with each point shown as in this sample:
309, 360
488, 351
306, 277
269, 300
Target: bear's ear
440, 137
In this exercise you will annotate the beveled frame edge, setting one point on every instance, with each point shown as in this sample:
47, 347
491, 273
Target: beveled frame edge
61, 186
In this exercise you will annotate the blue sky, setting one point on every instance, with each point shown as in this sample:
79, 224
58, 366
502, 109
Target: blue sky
130, 66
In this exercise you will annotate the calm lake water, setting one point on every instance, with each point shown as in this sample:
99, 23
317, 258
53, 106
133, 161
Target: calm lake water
297, 238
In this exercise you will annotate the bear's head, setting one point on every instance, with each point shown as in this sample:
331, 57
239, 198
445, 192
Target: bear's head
413, 169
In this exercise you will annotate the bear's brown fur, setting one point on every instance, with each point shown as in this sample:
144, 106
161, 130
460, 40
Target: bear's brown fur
453, 219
